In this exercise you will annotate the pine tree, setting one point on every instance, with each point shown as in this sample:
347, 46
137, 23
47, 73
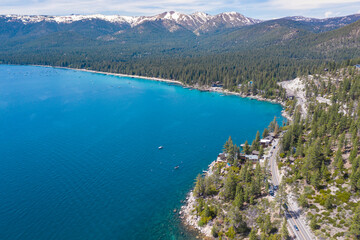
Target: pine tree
261, 152
284, 231
253, 235
265, 133
257, 141
267, 224
199, 186
228, 146
229, 187
313, 223
315, 179
328, 203
246, 147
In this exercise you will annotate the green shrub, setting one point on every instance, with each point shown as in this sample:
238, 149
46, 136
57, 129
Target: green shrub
339, 181
327, 214
231, 233
280, 164
339, 234
343, 196
215, 231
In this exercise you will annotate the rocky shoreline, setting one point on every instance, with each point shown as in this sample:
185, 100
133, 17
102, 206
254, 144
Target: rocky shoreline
191, 220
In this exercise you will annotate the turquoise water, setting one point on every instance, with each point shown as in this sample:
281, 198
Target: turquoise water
79, 154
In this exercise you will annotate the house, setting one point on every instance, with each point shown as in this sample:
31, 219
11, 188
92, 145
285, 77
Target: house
253, 158
217, 85
290, 97
357, 66
272, 134
255, 153
221, 157
265, 142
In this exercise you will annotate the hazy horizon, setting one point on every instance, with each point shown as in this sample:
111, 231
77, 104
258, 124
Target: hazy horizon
259, 9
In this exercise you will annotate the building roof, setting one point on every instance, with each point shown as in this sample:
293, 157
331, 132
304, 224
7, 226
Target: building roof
269, 138
252, 157
255, 152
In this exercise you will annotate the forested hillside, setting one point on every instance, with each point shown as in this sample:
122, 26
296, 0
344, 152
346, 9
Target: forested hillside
263, 53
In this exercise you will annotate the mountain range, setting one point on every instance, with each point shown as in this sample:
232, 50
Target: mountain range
182, 46
173, 21
198, 23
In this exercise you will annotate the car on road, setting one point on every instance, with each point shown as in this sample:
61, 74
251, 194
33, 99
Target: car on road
285, 206
274, 147
296, 228
276, 187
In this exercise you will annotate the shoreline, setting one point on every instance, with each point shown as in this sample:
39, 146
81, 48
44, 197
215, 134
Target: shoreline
200, 88
188, 219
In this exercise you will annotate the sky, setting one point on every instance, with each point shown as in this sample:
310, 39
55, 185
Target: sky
260, 9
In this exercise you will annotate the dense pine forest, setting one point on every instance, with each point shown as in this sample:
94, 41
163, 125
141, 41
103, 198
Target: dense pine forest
262, 54
319, 162
319, 148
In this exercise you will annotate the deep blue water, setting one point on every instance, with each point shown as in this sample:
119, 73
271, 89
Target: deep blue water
79, 154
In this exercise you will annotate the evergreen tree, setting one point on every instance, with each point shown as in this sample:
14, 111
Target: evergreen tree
261, 152
284, 231
228, 146
246, 147
229, 187
265, 133
315, 179
253, 235
328, 203
355, 224
199, 186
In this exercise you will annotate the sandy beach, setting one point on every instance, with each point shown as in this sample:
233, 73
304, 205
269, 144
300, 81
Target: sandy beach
201, 88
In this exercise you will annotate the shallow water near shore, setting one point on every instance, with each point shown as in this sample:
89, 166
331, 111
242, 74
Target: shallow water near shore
79, 155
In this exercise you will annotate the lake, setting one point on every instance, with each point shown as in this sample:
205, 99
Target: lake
79, 155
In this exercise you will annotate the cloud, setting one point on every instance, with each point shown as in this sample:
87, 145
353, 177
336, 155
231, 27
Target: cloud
103, 6
328, 14
308, 4
261, 9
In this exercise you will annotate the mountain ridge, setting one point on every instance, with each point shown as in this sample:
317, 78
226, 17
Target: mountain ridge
189, 21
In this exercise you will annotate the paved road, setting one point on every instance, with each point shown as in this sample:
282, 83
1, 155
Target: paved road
292, 213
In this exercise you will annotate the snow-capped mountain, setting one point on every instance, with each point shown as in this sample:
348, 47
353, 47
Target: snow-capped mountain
226, 20
326, 24
197, 22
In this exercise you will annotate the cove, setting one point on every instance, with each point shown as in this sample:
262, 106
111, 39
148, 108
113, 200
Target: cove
79, 155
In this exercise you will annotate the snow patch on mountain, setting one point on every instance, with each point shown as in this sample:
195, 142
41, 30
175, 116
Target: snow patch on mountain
196, 22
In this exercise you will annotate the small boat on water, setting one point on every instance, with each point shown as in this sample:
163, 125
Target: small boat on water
176, 167
161, 147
